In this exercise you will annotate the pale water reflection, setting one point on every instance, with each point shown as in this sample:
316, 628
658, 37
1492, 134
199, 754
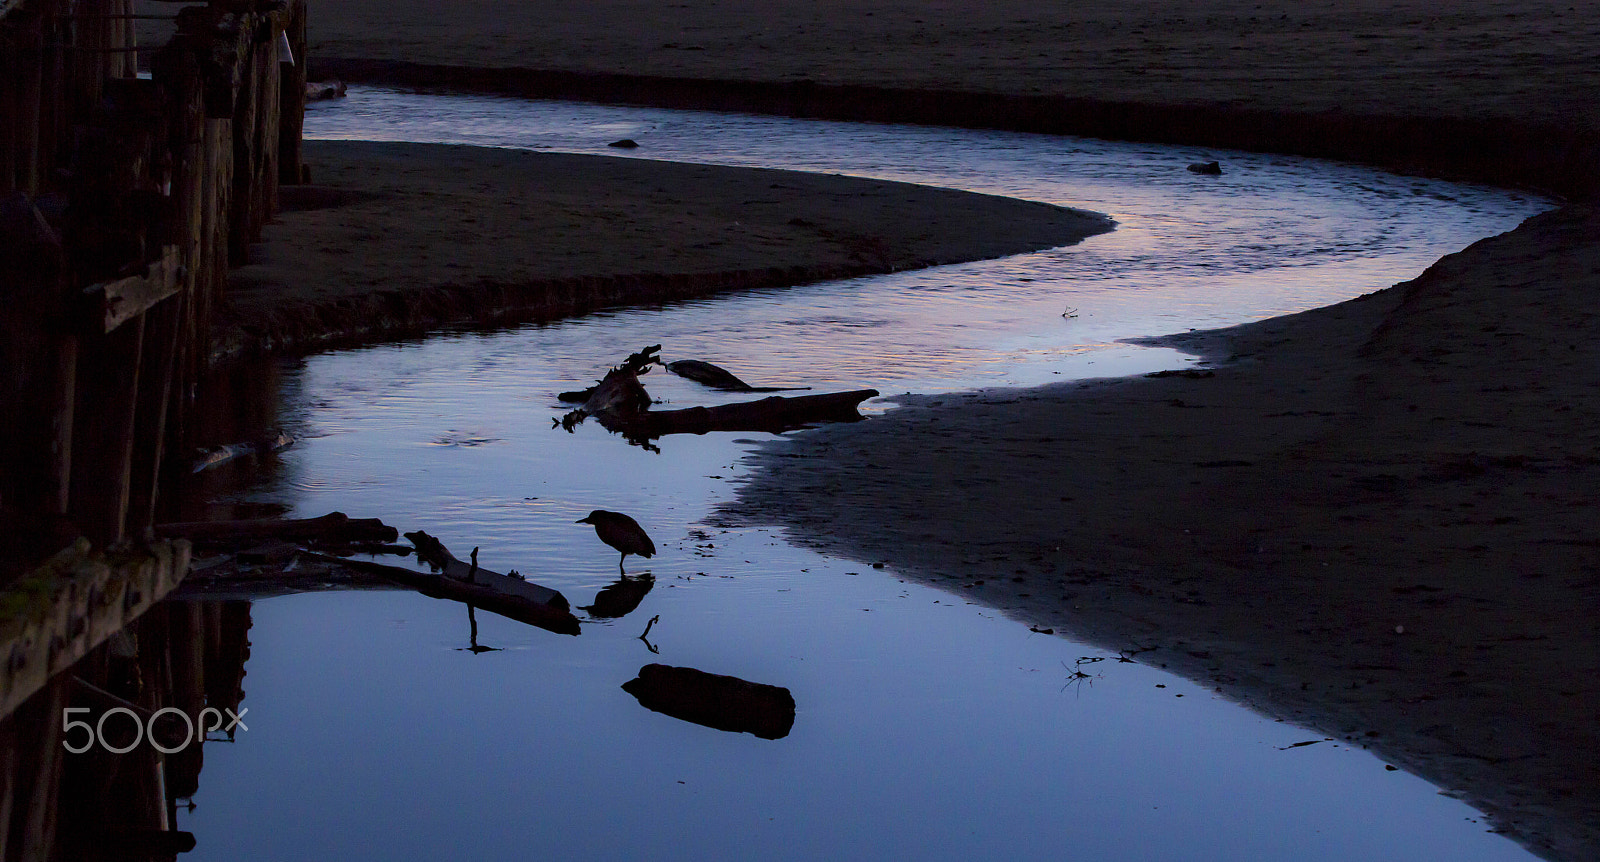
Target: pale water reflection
925, 727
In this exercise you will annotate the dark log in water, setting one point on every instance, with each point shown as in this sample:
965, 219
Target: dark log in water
490, 591
334, 527
775, 414
714, 701
718, 377
434, 553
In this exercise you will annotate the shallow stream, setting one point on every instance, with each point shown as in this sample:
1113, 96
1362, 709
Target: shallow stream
926, 727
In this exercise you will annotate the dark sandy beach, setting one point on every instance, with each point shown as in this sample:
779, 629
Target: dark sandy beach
1355, 524
398, 238
1375, 519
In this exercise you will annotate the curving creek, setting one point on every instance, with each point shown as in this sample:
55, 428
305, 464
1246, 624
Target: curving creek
925, 727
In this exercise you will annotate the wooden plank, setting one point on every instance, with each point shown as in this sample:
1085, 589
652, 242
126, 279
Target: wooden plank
111, 304
72, 604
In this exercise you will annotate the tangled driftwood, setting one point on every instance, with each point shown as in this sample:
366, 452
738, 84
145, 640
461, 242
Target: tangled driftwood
620, 403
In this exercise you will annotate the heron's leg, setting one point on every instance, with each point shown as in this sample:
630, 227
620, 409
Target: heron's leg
620, 569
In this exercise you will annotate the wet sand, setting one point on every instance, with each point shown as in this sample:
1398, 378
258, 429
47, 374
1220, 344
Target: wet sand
1354, 523
1375, 519
1531, 61
395, 239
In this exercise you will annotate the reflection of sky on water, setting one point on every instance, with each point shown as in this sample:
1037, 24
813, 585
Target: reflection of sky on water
1273, 235
926, 727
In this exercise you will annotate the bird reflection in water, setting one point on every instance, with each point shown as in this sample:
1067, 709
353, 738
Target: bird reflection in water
621, 597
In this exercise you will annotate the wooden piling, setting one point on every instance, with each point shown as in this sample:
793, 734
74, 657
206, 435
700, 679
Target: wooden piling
34, 823
10, 755
156, 360
107, 404
292, 98
9, 124
166, 182
30, 61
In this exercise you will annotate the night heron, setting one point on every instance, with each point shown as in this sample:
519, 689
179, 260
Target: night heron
620, 532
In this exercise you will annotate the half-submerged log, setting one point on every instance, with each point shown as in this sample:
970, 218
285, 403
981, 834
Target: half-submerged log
713, 700
208, 458
717, 377
622, 405
434, 553
332, 528
489, 592
775, 414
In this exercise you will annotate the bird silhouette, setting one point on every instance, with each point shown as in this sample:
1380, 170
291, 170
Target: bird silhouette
620, 532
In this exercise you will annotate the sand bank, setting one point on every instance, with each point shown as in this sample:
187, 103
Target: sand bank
398, 238
1375, 519
1530, 60
1486, 89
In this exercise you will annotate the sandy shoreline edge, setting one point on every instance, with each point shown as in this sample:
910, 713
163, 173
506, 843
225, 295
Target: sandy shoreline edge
398, 239
1342, 527
1545, 157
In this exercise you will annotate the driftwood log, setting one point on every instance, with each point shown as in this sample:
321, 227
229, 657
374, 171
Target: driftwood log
278, 545
332, 528
434, 553
622, 405
491, 591
713, 700
717, 377
775, 414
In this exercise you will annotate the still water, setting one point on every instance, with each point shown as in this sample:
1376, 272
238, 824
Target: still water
926, 726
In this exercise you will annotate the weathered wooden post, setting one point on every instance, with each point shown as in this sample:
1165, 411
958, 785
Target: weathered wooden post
292, 98
178, 73
102, 444
37, 355
10, 76
38, 789
30, 56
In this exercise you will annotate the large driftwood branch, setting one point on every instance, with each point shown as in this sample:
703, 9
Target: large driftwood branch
622, 405
775, 414
334, 528
481, 593
434, 553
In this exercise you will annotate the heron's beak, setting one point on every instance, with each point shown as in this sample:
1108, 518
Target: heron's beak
581, 521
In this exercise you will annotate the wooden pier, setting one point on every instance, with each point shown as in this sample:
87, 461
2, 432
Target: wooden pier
131, 178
